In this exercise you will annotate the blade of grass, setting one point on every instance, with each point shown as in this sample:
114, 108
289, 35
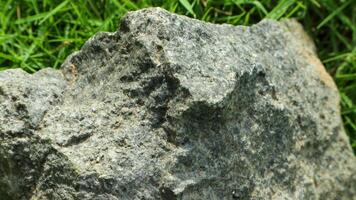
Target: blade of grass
346, 76
188, 6
280, 9
332, 15
53, 12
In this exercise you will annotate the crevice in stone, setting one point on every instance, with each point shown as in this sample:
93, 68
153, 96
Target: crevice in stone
167, 194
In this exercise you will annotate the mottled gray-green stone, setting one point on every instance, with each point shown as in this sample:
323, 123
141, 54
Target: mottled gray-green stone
171, 108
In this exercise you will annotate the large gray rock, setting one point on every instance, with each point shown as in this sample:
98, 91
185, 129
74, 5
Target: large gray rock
171, 108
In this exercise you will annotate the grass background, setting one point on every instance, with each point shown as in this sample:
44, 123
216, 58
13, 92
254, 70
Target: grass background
40, 33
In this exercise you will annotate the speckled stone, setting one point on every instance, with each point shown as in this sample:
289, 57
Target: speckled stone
172, 108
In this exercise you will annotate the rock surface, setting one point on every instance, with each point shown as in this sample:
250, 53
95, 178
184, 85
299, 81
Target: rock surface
171, 108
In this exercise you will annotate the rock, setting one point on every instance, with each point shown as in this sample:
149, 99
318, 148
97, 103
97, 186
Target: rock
171, 108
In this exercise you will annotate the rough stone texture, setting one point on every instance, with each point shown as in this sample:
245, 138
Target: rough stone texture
171, 108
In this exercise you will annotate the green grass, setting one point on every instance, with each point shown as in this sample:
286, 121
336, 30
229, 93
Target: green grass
40, 33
